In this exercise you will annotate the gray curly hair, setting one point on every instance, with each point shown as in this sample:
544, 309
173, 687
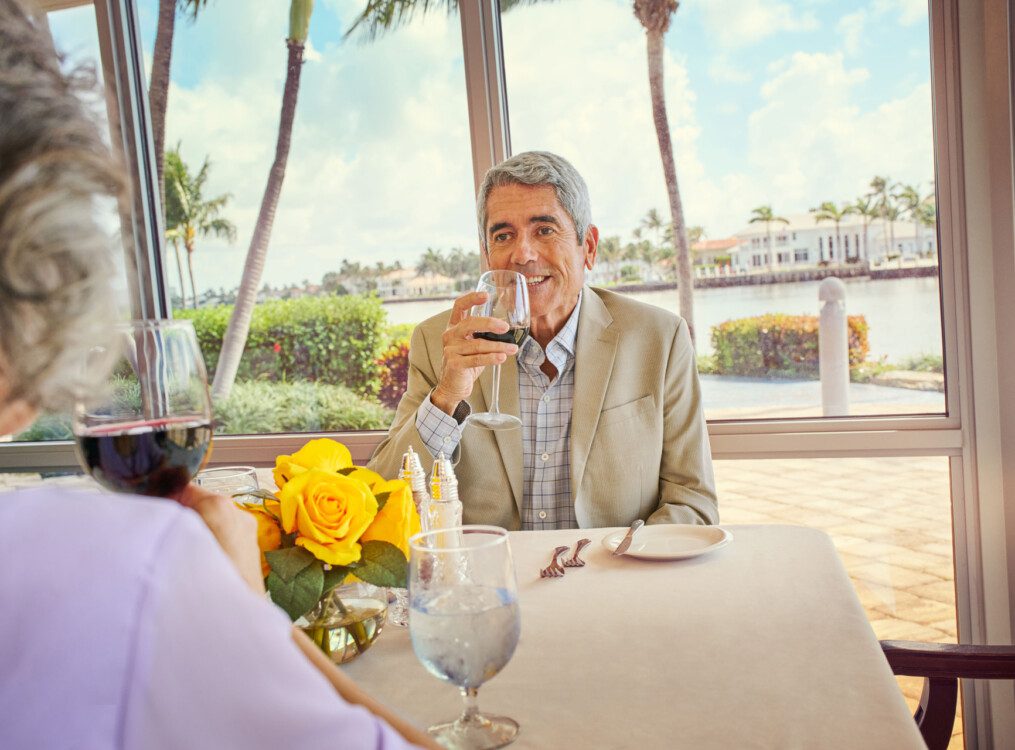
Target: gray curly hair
539, 168
56, 265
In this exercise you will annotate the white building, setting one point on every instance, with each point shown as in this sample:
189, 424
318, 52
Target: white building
806, 242
405, 282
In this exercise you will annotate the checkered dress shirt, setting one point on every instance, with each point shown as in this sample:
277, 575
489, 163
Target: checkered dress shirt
546, 429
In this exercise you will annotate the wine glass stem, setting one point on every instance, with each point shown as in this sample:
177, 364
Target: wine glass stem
495, 399
470, 696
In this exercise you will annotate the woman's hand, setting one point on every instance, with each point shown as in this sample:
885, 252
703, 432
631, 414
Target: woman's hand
235, 530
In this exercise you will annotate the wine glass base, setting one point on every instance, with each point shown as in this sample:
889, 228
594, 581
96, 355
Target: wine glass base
490, 421
480, 732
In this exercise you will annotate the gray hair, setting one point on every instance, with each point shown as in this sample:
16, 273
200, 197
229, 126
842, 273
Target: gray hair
56, 300
540, 168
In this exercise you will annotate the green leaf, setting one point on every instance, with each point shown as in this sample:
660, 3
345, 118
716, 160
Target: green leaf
290, 562
299, 595
382, 498
335, 577
383, 564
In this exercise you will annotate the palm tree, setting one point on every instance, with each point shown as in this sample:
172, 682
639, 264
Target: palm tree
610, 251
766, 215
162, 56
189, 215
235, 338
431, 262
695, 234
866, 208
828, 212
882, 196
913, 205
653, 222
655, 17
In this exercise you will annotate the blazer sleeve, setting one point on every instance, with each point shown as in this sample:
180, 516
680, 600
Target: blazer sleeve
387, 458
686, 481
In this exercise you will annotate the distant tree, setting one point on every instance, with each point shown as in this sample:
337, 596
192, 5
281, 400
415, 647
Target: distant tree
695, 234
881, 193
432, 262
765, 215
610, 251
828, 211
189, 214
654, 223
913, 205
866, 208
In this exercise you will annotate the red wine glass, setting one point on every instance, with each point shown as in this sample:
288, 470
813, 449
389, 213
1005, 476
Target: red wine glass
149, 431
507, 298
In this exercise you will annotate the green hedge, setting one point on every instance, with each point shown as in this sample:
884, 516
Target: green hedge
782, 345
263, 407
334, 340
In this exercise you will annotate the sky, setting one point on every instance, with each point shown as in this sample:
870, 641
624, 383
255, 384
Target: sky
787, 103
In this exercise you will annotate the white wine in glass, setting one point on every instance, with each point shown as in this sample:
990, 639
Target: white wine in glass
507, 298
464, 623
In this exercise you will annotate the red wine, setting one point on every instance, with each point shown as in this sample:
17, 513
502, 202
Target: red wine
513, 335
146, 458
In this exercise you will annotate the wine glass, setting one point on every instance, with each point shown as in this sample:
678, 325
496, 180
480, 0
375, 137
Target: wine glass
232, 481
148, 432
464, 622
507, 299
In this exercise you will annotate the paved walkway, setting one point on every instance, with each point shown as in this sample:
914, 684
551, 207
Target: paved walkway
890, 519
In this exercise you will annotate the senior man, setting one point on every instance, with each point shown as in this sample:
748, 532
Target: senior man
606, 387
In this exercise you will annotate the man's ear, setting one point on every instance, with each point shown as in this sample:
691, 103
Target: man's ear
591, 245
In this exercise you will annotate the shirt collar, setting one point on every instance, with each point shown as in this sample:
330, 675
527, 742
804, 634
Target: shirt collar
564, 340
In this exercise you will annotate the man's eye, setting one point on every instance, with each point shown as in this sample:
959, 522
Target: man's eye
546, 231
500, 237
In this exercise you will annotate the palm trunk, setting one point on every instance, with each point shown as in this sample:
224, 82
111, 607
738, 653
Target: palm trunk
685, 283
179, 272
866, 249
158, 91
239, 324
838, 243
190, 270
771, 250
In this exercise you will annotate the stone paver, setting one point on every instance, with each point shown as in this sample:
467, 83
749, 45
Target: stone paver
890, 520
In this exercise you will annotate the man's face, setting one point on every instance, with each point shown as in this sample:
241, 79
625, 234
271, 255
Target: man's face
528, 231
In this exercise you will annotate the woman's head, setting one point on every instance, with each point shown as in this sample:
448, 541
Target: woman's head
56, 268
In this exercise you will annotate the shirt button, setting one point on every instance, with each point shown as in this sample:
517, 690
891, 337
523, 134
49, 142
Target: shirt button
546, 398
447, 440
542, 514
545, 457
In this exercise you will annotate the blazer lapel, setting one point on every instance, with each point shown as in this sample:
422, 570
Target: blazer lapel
509, 442
595, 349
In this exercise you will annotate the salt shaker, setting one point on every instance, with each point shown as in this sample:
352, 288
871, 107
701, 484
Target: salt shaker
412, 473
445, 507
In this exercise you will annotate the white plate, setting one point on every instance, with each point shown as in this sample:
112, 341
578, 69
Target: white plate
670, 541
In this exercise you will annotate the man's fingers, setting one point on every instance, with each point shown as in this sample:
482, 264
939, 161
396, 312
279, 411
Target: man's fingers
482, 360
464, 304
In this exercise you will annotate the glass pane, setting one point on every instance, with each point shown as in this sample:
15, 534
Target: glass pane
75, 36
376, 206
890, 519
781, 117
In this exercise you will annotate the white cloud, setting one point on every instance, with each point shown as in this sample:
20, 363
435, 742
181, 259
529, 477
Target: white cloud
907, 11
739, 23
850, 28
722, 70
815, 143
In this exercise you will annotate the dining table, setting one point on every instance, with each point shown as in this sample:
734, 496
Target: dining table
760, 643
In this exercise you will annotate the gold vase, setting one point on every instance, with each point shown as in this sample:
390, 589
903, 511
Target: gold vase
347, 620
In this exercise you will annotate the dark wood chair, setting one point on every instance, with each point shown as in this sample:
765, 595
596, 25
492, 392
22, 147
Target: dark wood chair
941, 665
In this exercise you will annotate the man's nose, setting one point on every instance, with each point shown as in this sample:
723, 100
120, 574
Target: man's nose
523, 251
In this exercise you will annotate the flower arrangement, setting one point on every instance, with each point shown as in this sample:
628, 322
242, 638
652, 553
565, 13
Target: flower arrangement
330, 521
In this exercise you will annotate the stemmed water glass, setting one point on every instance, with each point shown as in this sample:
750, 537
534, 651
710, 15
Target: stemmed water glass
464, 622
149, 431
507, 299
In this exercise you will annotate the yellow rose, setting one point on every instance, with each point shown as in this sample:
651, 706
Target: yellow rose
371, 478
269, 535
328, 512
323, 453
398, 519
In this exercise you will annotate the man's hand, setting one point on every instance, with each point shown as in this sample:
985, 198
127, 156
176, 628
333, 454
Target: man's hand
235, 530
464, 356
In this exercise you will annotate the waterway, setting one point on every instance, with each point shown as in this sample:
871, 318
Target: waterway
903, 315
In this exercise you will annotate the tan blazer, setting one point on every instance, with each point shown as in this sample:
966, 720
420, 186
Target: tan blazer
639, 446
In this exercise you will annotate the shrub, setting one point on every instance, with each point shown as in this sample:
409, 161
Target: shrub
330, 339
394, 365
924, 363
785, 345
264, 407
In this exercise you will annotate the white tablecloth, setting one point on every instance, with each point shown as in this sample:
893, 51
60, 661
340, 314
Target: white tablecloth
762, 644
